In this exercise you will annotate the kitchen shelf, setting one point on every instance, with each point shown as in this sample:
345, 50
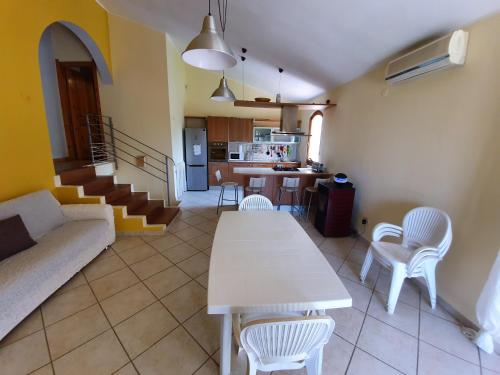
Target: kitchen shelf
305, 106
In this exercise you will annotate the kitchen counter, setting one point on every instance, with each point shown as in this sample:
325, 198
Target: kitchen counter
270, 171
263, 161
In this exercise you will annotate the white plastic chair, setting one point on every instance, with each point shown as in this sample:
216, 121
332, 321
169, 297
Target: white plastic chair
256, 185
256, 202
427, 238
286, 343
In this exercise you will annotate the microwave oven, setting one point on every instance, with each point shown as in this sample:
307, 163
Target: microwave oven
236, 156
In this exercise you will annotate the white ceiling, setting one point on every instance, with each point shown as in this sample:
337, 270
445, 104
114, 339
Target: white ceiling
319, 43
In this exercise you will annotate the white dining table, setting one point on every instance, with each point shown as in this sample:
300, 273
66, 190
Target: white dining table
264, 261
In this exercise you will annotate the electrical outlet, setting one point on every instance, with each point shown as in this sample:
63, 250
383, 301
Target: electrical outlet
364, 221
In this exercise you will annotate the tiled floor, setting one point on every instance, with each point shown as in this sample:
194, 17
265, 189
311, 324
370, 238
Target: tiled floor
140, 307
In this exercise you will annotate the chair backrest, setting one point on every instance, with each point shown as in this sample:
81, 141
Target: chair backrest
255, 202
427, 226
218, 175
291, 182
257, 182
285, 340
321, 180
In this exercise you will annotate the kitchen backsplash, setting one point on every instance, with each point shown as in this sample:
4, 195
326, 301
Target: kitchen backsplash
266, 152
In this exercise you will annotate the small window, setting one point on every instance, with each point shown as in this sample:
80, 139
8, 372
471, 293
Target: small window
315, 127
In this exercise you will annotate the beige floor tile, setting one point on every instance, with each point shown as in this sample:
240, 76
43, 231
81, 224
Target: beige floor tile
104, 267
485, 371
357, 256
166, 281
360, 294
448, 337
207, 227
438, 311
196, 265
405, 317
432, 361
75, 330
45, 370
177, 226
205, 329
179, 252
24, 355
124, 243
203, 280
150, 266
362, 364
186, 300
208, 368
410, 293
348, 323
208, 251
195, 219
389, 344
336, 355
202, 242
126, 303
113, 283
61, 306
138, 253
351, 271
188, 233
29, 325
105, 254
73, 283
166, 242
175, 354
143, 329
334, 261
490, 361
102, 355
128, 369
150, 238
337, 246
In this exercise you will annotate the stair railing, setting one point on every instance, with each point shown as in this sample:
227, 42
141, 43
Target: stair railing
108, 144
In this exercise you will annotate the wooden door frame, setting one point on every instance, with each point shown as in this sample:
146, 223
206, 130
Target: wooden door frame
63, 96
316, 113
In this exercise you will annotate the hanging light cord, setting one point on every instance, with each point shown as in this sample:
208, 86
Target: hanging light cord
222, 15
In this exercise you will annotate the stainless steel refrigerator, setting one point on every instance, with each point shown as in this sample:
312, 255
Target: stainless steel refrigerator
195, 152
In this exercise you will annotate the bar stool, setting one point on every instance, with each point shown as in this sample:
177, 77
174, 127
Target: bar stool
290, 185
256, 185
223, 187
312, 190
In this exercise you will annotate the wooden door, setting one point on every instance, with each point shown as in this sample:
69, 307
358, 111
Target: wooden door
217, 129
79, 93
240, 130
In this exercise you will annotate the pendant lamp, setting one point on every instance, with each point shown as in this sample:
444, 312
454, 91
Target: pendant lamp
208, 50
223, 93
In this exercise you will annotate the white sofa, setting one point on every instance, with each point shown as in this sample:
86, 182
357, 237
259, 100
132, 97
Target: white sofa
68, 237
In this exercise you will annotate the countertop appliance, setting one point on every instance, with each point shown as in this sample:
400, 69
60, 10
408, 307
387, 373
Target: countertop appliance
217, 151
195, 153
335, 202
281, 168
239, 155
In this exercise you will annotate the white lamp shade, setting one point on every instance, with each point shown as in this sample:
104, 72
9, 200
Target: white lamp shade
208, 50
223, 93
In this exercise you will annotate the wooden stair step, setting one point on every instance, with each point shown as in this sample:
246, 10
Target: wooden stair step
163, 215
147, 209
98, 183
77, 176
114, 192
132, 201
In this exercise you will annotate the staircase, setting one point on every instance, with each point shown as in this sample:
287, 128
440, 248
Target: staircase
152, 214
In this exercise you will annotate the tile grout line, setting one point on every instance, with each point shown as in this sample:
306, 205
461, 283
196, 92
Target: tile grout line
47, 342
418, 332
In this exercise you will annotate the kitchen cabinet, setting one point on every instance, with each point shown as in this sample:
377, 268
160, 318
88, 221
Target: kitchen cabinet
218, 129
224, 171
334, 213
239, 178
240, 130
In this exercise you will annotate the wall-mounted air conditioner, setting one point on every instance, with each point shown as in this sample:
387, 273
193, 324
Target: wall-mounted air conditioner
446, 52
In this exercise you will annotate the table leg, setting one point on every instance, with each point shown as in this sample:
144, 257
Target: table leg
225, 344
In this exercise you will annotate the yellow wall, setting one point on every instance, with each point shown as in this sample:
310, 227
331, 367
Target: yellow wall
431, 141
200, 84
24, 139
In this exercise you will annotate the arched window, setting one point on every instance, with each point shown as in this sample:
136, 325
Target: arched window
315, 127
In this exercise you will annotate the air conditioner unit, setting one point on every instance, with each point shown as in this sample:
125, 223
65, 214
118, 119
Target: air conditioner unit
446, 52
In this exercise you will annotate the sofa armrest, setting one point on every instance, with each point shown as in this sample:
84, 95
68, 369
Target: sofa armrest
92, 211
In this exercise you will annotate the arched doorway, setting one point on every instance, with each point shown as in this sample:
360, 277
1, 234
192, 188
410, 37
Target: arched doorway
71, 69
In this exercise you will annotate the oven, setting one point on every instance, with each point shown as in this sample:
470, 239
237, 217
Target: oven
217, 151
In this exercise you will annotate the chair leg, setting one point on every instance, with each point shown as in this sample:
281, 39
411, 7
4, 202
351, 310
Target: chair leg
430, 280
309, 206
315, 363
366, 264
221, 196
398, 277
279, 200
252, 368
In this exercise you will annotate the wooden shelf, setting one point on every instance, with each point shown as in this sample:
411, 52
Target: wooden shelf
305, 106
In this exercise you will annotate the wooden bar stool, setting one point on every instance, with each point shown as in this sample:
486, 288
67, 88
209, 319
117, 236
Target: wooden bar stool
223, 187
290, 185
312, 190
256, 185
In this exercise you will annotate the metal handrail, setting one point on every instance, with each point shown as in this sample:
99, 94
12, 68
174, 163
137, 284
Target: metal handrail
100, 152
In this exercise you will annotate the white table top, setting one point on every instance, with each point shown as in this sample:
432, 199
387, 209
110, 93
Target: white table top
270, 171
264, 261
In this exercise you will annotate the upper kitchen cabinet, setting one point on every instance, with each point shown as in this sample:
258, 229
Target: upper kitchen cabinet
240, 130
218, 129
